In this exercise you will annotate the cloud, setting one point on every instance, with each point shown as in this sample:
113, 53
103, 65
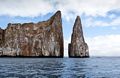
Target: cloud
25, 8
69, 8
113, 21
107, 45
87, 7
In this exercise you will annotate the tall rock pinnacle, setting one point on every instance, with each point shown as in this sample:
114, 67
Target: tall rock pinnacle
78, 47
42, 39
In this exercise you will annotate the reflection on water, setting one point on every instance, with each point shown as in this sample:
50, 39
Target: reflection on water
60, 67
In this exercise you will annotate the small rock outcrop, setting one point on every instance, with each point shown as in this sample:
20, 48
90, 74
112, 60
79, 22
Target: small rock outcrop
78, 47
42, 39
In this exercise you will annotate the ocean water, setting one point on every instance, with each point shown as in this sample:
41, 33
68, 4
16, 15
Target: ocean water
94, 67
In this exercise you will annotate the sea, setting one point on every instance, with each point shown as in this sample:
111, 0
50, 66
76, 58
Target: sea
93, 67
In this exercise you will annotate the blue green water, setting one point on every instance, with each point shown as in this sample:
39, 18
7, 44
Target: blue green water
94, 67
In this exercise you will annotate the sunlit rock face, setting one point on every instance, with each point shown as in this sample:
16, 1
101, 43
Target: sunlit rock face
35, 39
78, 47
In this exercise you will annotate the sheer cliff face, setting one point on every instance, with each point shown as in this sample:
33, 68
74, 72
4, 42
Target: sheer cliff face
1, 36
35, 39
78, 47
1, 40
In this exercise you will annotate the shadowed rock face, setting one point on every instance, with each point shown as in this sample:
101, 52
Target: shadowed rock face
34, 39
78, 47
1, 37
1, 40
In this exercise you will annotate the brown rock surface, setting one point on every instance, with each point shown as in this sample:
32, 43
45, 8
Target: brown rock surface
78, 47
1, 40
35, 39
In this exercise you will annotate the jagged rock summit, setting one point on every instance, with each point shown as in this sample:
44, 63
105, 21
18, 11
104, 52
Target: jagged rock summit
42, 39
78, 47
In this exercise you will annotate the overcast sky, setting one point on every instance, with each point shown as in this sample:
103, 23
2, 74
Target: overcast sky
100, 20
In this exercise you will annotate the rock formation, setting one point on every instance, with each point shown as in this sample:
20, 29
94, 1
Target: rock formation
1, 40
33, 39
78, 47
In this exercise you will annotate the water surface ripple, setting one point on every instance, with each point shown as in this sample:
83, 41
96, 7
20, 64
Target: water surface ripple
94, 67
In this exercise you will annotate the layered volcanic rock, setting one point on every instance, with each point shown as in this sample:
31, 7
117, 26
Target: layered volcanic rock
34, 39
78, 47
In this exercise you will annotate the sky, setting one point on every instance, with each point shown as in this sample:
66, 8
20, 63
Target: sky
100, 20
